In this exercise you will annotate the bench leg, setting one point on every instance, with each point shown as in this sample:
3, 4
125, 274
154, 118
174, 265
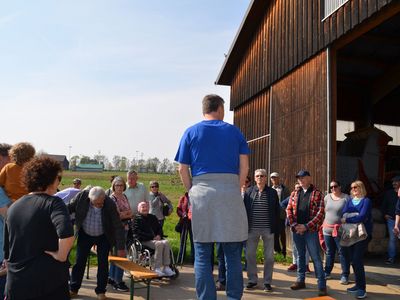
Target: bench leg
148, 289
132, 288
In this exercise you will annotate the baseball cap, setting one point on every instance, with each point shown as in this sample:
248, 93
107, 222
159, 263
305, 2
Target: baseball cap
396, 178
303, 173
274, 174
76, 180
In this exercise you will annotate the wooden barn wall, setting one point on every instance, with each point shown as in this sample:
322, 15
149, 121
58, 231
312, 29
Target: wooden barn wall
291, 32
299, 123
253, 120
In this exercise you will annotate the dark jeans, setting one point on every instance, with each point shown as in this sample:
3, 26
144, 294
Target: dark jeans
221, 264
85, 242
333, 244
280, 238
355, 255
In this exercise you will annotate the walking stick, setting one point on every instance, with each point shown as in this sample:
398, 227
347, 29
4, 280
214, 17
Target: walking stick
184, 234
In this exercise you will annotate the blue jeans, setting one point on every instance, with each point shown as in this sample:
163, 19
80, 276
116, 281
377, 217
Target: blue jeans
355, 255
116, 273
333, 244
310, 241
221, 264
85, 242
205, 286
392, 239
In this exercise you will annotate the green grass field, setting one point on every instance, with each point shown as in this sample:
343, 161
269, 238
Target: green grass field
170, 185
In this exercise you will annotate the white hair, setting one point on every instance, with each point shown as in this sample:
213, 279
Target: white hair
262, 171
96, 192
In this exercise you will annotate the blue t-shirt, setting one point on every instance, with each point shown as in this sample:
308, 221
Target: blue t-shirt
364, 208
212, 146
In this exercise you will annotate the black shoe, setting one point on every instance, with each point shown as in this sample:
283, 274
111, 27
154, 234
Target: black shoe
267, 287
121, 287
251, 285
111, 281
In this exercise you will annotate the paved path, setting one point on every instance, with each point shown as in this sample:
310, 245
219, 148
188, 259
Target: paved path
383, 283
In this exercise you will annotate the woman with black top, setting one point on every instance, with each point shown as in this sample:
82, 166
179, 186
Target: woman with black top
38, 236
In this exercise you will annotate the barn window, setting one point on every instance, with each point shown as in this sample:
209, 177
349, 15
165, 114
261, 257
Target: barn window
330, 6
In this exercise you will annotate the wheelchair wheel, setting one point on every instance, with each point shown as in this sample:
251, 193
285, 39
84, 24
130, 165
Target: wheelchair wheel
175, 269
133, 254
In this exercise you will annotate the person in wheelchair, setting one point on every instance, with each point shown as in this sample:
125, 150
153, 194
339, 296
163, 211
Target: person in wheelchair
147, 230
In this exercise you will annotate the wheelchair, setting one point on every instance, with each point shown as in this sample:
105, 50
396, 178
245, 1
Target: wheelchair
144, 256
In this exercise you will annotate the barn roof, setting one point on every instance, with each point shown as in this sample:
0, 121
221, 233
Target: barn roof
243, 37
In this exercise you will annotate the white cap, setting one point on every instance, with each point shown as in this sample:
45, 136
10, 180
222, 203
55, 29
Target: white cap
274, 174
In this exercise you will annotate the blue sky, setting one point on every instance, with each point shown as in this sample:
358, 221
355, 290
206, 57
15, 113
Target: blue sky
110, 76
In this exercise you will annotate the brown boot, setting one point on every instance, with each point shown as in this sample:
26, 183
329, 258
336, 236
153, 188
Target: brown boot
298, 285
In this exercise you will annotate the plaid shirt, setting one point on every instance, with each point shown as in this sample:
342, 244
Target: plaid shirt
316, 212
93, 223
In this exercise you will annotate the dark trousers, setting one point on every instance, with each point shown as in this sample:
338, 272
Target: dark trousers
221, 264
186, 231
85, 242
354, 255
280, 238
60, 293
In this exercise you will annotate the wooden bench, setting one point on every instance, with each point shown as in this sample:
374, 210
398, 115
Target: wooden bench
138, 273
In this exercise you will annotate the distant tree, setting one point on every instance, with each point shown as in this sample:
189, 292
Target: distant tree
74, 161
141, 166
117, 162
164, 166
85, 159
152, 164
124, 163
108, 166
134, 165
100, 158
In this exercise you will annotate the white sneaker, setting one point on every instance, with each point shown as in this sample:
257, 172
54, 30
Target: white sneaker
168, 271
159, 272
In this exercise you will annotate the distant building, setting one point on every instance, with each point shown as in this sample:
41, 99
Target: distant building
62, 159
90, 168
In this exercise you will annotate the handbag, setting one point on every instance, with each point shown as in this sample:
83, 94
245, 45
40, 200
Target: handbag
179, 226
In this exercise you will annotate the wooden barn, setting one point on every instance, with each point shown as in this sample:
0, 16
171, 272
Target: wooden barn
297, 67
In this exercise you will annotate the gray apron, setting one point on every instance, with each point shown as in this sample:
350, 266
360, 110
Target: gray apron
218, 212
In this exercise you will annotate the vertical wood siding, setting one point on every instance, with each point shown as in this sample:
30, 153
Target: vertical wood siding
291, 32
252, 118
299, 122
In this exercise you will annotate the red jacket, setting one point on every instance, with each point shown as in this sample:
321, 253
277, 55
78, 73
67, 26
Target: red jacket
316, 212
183, 208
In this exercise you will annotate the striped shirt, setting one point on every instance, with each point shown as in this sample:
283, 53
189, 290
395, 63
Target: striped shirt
261, 212
93, 223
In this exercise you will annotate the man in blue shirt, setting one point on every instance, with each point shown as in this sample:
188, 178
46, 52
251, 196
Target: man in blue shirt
217, 155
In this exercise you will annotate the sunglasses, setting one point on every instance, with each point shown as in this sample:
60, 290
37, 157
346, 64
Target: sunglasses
154, 186
354, 187
260, 176
334, 186
59, 177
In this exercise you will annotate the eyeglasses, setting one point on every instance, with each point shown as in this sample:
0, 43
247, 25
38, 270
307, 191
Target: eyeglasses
354, 187
119, 185
260, 176
59, 177
154, 186
334, 186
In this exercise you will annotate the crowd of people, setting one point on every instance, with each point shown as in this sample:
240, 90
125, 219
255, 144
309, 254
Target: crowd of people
219, 208
39, 222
